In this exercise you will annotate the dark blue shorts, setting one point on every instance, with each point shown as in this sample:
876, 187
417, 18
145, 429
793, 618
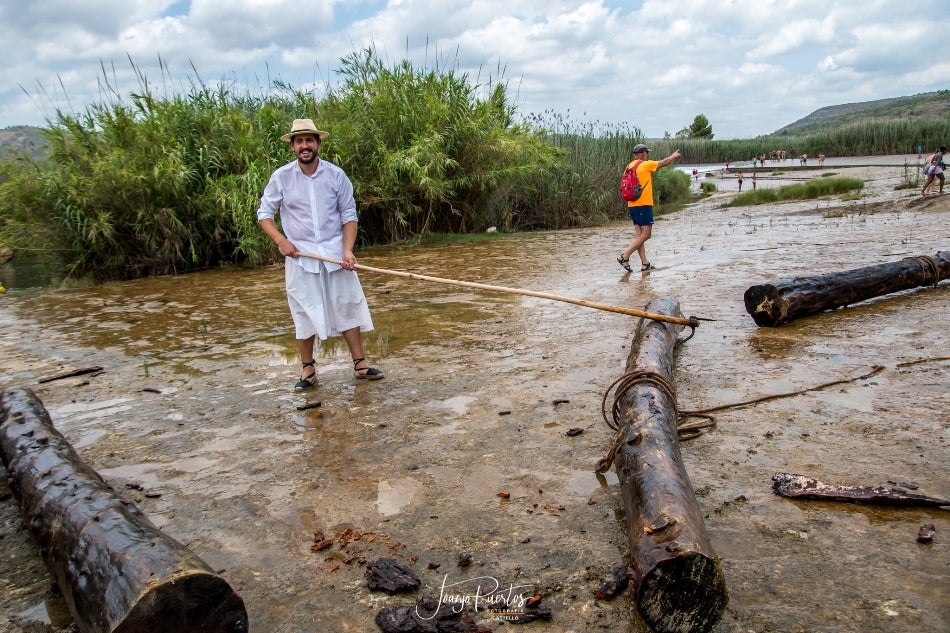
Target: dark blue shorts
642, 215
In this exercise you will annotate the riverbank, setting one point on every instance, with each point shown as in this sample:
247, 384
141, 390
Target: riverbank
195, 405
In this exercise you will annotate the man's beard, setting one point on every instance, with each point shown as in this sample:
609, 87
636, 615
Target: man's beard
307, 161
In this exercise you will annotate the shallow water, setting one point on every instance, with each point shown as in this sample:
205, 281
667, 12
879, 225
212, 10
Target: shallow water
480, 391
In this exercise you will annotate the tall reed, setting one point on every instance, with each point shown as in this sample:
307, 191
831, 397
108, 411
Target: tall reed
814, 188
425, 151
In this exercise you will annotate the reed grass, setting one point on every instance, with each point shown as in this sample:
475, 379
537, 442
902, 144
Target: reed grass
167, 179
815, 188
869, 137
163, 183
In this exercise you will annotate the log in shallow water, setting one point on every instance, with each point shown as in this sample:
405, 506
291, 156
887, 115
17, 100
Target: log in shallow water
678, 582
116, 570
782, 301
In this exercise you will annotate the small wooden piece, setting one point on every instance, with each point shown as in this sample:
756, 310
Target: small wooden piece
69, 374
804, 487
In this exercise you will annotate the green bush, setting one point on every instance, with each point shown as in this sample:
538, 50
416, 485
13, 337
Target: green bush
164, 185
815, 188
671, 186
424, 153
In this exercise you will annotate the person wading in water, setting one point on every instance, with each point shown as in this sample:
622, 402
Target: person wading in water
641, 209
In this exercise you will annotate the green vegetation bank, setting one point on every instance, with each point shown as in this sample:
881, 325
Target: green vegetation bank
155, 185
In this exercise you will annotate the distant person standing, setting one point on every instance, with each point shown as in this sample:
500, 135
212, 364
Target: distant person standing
641, 209
739, 178
753, 181
934, 168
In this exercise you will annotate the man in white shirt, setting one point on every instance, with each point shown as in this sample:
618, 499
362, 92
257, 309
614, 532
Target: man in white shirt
314, 199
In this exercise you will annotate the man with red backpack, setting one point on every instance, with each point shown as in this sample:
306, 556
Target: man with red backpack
641, 209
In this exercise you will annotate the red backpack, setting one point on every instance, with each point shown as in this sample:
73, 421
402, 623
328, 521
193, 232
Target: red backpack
630, 188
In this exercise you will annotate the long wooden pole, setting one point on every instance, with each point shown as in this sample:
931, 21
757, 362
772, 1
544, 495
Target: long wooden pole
690, 322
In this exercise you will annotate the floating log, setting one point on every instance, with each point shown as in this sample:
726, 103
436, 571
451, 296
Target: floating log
676, 576
116, 570
804, 487
789, 299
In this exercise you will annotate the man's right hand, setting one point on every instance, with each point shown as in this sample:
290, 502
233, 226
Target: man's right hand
287, 248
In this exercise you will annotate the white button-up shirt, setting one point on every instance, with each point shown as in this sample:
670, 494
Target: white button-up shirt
313, 210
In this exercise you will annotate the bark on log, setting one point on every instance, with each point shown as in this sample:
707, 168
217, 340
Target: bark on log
789, 299
804, 487
116, 570
677, 578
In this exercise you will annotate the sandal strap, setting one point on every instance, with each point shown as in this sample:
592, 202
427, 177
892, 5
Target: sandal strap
357, 361
310, 364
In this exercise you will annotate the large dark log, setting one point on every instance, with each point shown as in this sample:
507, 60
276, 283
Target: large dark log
789, 299
117, 571
678, 582
804, 487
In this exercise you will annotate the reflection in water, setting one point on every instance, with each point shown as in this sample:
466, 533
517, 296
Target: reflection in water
22, 273
394, 495
458, 404
52, 611
195, 322
586, 482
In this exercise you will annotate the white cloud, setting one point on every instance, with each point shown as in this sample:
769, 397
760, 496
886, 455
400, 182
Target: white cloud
256, 24
750, 67
794, 36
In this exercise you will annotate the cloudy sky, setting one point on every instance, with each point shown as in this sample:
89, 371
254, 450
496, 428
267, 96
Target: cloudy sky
750, 66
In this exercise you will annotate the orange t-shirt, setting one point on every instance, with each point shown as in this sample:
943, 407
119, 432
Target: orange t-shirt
645, 176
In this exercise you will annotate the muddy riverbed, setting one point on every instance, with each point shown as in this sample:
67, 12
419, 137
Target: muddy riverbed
195, 406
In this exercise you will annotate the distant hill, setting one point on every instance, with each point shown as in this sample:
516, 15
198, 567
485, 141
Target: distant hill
22, 138
924, 105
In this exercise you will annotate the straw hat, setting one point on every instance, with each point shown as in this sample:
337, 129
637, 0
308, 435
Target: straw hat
303, 126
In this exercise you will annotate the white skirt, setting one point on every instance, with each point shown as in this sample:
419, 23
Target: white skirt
327, 303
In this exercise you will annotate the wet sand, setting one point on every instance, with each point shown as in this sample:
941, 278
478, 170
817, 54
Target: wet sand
480, 391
